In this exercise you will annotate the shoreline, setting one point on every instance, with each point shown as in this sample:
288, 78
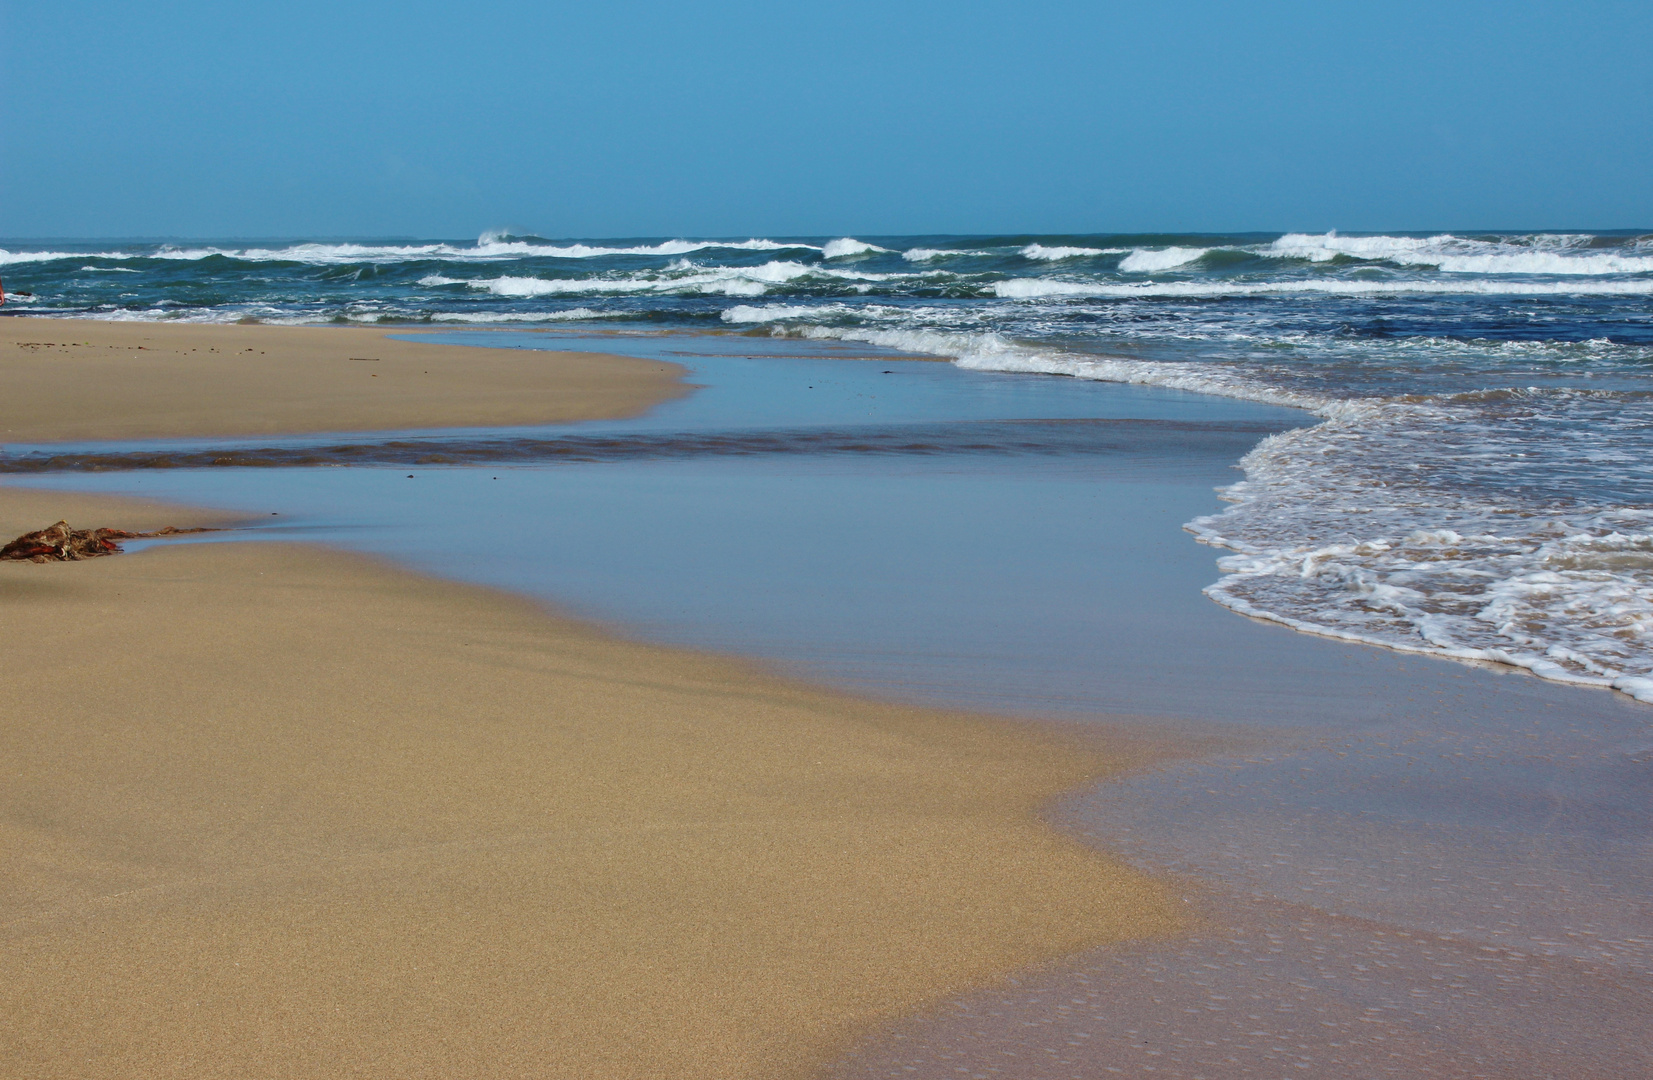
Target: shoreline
289, 809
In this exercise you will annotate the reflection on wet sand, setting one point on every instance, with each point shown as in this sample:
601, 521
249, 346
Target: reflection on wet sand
1462, 891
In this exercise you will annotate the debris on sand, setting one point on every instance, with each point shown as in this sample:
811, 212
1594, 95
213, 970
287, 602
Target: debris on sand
60, 543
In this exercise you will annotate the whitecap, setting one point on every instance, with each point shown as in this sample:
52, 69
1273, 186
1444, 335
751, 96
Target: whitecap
769, 313
680, 277
11, 258
522, 249
1149, 260
570, 314
489, 247
846, 246
927, 254
1039, 288
1056, 254
1557, 254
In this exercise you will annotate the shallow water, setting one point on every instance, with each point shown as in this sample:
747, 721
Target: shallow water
1271, 991
867, 522
1464, 891
1419, 867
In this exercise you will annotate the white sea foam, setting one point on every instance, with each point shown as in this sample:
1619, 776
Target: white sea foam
929, 254
681, 277
1039, 288
1542, 254
366, 313
1557, 254
846, 246
1056, 254
1345, 530
771, 313
488, 248
216, 315
568, 315
530, 286
12, 258
520, 249
745, 313
1149, 260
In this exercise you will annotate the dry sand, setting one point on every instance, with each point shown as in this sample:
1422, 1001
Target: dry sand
73, 379
270, 810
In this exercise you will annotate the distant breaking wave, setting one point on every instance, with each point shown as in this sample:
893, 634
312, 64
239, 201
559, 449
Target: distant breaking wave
1038, 288
1537, 254
1147, 261
847, 246
1542, 254
488, 248
1057, 254
680, 277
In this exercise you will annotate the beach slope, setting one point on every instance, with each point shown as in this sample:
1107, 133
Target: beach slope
273, 810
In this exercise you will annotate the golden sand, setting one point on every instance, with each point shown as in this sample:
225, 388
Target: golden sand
271, 810
72, 379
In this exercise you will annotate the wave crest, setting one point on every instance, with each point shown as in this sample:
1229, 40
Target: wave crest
1545, 253
1151, 260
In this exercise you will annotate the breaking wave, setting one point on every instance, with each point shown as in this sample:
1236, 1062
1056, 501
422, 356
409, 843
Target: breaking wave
489, 247
847, 246
1039, 288
1058, 254
1143, 261
1540, 254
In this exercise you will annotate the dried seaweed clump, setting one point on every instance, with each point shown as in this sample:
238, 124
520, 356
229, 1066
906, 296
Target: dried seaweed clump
60, 543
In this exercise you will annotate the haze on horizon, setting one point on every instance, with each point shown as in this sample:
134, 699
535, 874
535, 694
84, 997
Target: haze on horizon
188, 119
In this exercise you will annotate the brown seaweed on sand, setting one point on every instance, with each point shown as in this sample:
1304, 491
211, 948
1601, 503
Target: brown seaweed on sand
60, 543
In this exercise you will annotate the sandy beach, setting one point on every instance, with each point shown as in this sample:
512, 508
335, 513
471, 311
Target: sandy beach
278, 810
77, 379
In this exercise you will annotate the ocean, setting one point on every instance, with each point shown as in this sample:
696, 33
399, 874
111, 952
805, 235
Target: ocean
1478, 485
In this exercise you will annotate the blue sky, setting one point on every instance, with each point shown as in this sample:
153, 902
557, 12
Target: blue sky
665, 119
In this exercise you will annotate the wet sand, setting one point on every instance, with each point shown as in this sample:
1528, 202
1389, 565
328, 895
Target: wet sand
78, 379
276, 810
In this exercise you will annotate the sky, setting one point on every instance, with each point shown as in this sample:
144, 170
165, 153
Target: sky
634, 119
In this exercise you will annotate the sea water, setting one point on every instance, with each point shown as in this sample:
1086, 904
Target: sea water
1478, 485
